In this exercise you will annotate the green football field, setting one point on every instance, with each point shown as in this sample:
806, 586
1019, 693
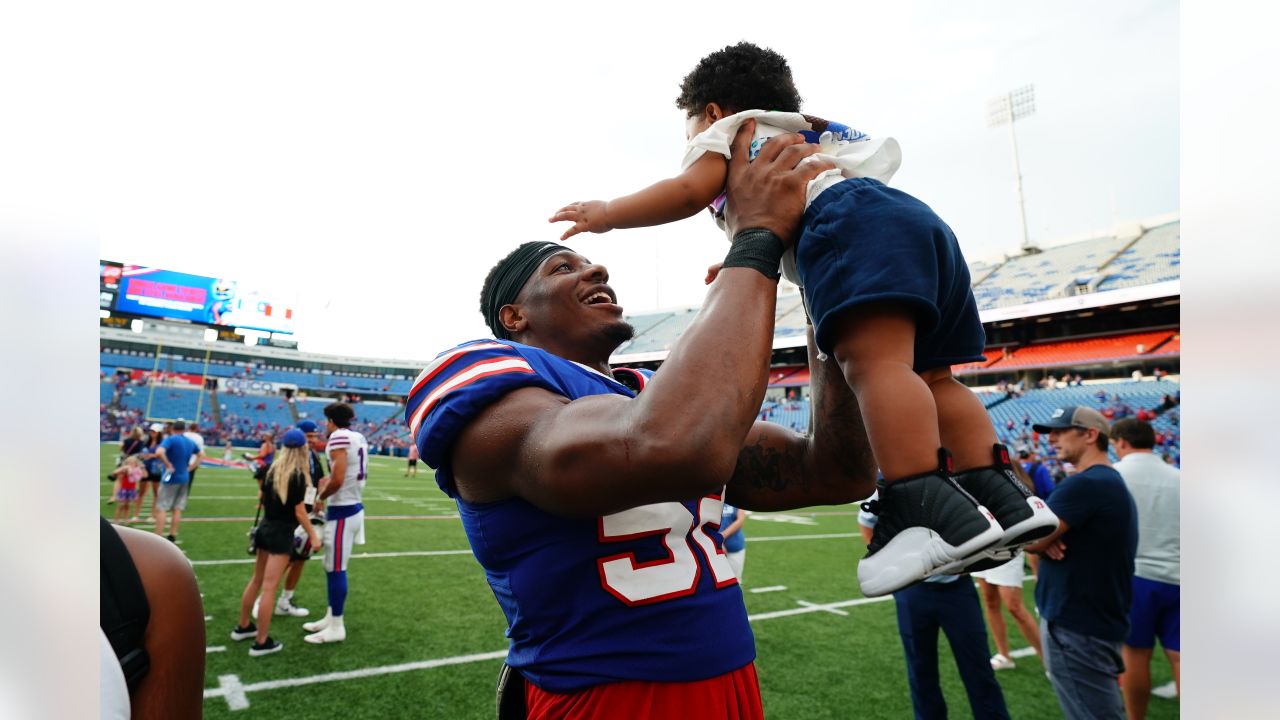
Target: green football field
425, 635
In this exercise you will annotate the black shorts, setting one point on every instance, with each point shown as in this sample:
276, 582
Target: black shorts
275, 537
413, 463
153, 477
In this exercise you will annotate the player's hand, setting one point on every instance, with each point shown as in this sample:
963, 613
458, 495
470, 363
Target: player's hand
316, 541
589, 216
712, 272
769, 192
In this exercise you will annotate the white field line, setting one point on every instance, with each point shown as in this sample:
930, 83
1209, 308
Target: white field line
771, 588
829, 536
432, 553
411, 553
833, 611
215, 648
229, 686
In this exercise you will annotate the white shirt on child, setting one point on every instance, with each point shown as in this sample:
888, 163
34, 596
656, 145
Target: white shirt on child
854, 154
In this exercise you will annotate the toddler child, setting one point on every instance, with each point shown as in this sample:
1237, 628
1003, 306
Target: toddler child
128, 475
888, 292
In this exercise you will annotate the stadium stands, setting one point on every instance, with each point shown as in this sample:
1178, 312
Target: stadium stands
1014, 416
1080, 352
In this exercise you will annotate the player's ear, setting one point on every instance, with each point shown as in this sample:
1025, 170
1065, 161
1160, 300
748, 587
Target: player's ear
513, 319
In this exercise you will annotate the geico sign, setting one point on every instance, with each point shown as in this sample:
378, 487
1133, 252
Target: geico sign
250, 386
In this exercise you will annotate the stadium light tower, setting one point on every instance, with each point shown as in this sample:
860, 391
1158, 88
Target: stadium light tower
1008, 109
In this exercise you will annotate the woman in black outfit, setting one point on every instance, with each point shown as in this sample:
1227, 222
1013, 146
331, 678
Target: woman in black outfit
283, 496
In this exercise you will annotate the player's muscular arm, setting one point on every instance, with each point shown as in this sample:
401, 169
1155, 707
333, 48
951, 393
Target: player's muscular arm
681, 437
337, 474
780, 470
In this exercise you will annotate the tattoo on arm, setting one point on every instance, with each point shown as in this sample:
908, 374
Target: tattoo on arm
763, 466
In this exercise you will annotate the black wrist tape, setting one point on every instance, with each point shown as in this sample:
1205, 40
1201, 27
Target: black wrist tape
758, 249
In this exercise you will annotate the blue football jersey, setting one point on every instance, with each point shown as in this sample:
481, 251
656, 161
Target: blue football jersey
642, 594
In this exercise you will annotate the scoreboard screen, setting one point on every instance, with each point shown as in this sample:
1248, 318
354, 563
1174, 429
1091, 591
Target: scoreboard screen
200, 299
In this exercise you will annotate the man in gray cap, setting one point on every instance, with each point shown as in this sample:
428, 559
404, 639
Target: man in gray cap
1086, 576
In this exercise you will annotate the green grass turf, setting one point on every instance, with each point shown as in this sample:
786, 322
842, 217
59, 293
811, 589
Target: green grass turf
412, 609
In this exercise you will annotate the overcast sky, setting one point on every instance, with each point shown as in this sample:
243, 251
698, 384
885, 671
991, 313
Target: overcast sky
372, 161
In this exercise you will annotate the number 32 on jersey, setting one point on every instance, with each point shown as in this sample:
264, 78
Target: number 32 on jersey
677, 575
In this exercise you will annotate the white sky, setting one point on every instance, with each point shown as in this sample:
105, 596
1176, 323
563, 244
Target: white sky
373, 160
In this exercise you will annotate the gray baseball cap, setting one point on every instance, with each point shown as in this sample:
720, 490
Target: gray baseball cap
1076, 416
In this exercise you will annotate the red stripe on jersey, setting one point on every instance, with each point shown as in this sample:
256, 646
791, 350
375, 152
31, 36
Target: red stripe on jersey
477, 371
439, 364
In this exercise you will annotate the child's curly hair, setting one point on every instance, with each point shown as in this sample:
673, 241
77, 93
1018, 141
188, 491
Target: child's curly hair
740, 77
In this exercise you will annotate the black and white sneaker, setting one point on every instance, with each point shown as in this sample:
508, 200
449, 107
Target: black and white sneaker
244, 633
1023, 517
927, 525
265, 648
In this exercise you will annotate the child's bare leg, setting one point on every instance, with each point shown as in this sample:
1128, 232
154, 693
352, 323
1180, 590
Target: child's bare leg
963, 422
876, 350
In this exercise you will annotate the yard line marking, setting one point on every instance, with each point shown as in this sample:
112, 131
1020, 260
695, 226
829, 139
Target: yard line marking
771, 588
823, 608
767, 538
248, 519
410, 553
817, 608
1168, 691
230, 688
207, 618
784, 518
214, 649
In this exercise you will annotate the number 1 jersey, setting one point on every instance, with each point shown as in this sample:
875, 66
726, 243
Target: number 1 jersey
357, 460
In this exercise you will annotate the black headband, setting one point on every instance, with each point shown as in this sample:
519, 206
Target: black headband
509, 278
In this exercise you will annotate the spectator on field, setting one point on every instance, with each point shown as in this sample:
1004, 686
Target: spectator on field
155, 470
266, 451
1041, 486
1086, 576
735, 538
175, 452
1155, 612
128, 476
1002, 586
412, 469
947, 603
131, 444
195, 437
283, 494
298, 556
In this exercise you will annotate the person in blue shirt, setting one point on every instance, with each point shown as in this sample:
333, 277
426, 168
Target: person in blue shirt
735, 539
1036, 470
175, 452
950, 604
1085, 586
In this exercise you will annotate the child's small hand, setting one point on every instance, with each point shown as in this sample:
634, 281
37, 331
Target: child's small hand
589, 216
712, 272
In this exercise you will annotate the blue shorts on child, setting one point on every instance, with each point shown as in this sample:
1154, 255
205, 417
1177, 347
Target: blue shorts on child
865, 242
